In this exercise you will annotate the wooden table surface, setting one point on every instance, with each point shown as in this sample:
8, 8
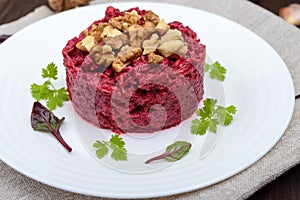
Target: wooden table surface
285, 187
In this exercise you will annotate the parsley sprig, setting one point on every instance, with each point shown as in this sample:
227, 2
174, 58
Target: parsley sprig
47, 91
215, 70
212, 115
116, 144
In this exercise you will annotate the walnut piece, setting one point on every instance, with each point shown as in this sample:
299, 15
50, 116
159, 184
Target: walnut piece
103, 55
162, 27
118, 65
172, 43
151, 45
132, 17
116, 42
125, 57
96, 31
138, 36
133, 27
176, 47
126, 22
154, 58
117, 22
172, 35
126, 47
109, 31
87, 44
151, 17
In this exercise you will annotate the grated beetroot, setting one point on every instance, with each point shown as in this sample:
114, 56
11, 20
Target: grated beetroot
143, 97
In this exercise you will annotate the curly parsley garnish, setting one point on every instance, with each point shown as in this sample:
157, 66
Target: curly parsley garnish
116, 144
215, 70
212, 115
46, 91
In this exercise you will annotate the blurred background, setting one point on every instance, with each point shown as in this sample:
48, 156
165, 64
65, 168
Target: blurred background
13, 9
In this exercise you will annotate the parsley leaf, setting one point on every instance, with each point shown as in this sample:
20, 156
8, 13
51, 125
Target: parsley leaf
40, 92
118, 147
215, 70
50, 71
212, 115
46, 91
225, 114
199, 127
116, 144
102, 150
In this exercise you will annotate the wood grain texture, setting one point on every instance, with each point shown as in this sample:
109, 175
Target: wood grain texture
286, 187
3, 38
274, 5
13, 9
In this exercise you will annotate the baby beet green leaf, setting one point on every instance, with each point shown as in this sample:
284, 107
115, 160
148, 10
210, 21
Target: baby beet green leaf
44, 120
46, 91
211, 115
116, 144
215, 70
173, 152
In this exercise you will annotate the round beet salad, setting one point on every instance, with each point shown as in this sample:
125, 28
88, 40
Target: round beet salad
132, 72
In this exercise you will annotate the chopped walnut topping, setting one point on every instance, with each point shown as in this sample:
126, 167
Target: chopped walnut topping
154, 58
176, 47
148, 24
172, 35
162, 27
151, 45
126, 47
132, 17
172, 43
107, 49
137, 36
95, 31
117, 22
151, 17
129, 54
125, 36
103, 55
133, 27
125, 57
118, 65
109, 31
87, 44
116, 42
124, 23
86, 32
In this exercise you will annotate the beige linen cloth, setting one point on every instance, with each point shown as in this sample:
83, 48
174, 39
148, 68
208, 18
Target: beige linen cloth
283, 38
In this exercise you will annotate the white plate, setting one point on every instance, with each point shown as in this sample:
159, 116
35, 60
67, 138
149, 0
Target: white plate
257, 82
